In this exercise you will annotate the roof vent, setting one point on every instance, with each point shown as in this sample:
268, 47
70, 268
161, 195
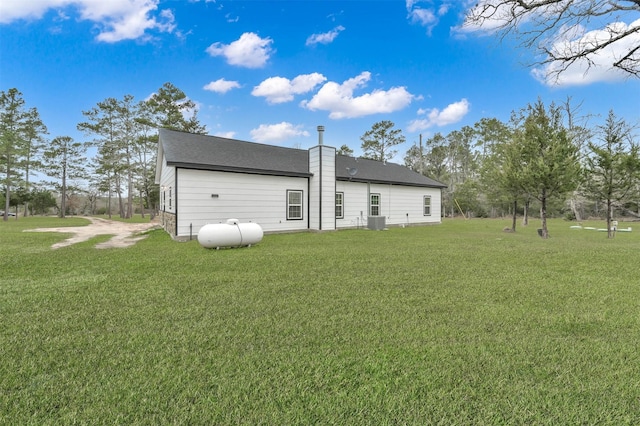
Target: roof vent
320, 134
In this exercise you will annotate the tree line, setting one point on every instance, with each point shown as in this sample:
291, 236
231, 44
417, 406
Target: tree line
124, 134
544, 155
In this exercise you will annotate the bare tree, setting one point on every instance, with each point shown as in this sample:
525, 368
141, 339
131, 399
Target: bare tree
585, 33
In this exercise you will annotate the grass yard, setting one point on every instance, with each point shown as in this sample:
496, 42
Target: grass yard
454, 324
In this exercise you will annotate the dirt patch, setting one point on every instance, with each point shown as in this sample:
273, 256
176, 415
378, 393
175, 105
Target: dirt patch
124, 234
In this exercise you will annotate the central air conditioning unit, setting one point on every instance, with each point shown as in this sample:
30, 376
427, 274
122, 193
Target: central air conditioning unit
376, 223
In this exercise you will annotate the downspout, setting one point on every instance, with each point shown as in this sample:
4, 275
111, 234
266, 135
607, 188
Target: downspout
320, 143
320, 190
368, 203
335, 189
308, 201
175, 182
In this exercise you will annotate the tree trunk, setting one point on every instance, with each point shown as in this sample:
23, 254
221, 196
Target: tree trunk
574, 208
109, 202
129, 212
515, 210
609, 217
63, 199
525, 218
543, 214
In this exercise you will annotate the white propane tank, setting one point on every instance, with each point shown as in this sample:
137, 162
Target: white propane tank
230, 234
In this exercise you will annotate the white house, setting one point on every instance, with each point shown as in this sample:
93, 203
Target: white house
208, 179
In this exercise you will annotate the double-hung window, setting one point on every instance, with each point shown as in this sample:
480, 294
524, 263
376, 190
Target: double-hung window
374, 205
294, 205
427, 206
339, 205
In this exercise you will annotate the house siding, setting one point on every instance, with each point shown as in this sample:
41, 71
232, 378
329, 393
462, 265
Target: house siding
404, 204
355, 203
213, 197
167, 188
399, 204
167, 195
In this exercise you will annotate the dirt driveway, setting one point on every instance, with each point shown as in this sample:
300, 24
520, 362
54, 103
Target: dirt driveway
124, 234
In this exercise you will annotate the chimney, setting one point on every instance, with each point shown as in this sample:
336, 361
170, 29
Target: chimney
320, 134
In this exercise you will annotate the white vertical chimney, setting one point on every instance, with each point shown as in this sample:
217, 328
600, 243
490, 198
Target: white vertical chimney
320, 134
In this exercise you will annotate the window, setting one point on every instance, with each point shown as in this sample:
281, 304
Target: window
294, 205
427, 205
169, 197
339, 205
374, 205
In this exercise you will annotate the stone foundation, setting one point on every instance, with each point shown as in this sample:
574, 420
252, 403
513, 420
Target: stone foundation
168, 223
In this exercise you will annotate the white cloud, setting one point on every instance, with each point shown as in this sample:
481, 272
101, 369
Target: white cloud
582, 72
117, 19
277, 132
228, 135
452, 114
324, 38
11, 10
426, 17
279, 89
221, 86
248, 51
231, 19
339, 99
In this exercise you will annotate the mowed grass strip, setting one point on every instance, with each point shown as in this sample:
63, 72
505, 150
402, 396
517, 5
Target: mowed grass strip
459, 323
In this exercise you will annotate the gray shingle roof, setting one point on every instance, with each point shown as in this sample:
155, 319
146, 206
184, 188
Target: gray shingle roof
205, 152
375, 171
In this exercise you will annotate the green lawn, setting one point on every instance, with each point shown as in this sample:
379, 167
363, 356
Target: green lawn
459, 323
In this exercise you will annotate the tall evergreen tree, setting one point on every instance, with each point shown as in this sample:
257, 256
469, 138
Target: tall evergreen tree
345, 150
551, 165
34, 131
112, 126
172, 109
612, 168
377, 143
145, 150
14, 147
64, 161
502, 171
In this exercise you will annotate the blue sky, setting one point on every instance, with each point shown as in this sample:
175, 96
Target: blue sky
272, 71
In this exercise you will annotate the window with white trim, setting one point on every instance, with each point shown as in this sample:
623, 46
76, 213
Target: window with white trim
374, 205
339, 205
427, 205
294, 205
